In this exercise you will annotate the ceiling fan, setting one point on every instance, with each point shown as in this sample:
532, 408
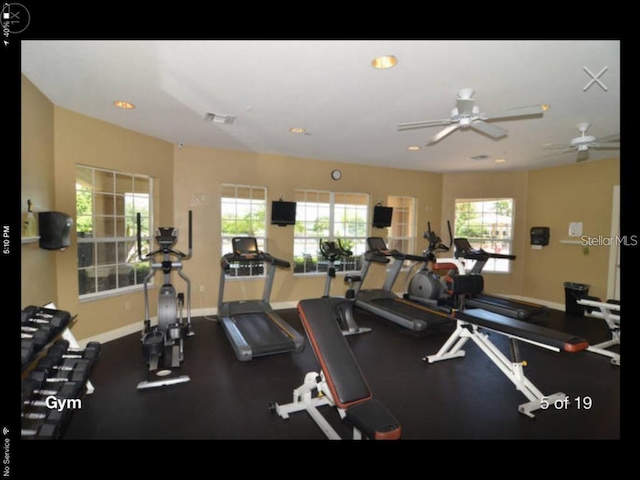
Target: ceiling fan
468, 115
584, 143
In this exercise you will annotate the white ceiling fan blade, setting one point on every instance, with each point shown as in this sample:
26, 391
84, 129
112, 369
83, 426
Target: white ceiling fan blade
556, 154
514, 113
606, 145
430, 123
568, 148
443, 133
582, 155
487, 128
610, 139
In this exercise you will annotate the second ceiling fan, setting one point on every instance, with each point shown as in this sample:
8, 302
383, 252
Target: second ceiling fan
467, 114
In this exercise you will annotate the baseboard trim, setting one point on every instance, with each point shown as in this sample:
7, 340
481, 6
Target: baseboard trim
553, 305
212, 312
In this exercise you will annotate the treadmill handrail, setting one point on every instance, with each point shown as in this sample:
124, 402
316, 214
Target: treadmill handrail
465, 250
378, 254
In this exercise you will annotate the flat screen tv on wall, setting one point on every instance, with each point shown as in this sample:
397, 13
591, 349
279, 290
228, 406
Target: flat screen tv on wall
382, 216
283, 213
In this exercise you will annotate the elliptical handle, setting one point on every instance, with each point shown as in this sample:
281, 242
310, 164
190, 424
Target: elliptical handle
190, 234
139, 238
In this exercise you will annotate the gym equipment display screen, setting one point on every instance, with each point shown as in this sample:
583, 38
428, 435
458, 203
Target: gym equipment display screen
283, 213
245, 245
382, 216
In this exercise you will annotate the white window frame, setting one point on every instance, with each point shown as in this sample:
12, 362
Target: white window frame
402, 232
311, 262
256, 195
102, 271
490, 221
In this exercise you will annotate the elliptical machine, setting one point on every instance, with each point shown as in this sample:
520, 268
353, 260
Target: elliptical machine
163, 344
427, 286
342, 308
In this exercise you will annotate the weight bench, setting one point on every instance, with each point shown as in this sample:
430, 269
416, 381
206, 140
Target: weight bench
340, 382
472, 324
610, 312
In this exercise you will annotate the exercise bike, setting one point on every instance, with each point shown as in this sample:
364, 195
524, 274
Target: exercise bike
426, 285
163, 344
342, 308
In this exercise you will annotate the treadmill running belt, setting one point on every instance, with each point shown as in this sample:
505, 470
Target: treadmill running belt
262, 333
399, 307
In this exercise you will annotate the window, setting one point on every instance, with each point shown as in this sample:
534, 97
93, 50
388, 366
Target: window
106, 228
403, 224
243, 212
488, 224
329, 216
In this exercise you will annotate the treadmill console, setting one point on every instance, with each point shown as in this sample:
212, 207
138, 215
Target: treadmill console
245, 246
377, 245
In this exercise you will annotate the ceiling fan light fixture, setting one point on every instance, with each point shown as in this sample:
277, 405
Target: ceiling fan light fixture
384, 62
465, 94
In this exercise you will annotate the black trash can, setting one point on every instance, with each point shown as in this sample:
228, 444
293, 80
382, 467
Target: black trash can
572, 292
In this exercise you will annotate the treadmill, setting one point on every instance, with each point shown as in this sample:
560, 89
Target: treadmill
253, 327
493, 303
384, 303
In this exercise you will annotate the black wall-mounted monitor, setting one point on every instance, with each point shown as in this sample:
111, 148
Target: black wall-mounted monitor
283, 213
382, 216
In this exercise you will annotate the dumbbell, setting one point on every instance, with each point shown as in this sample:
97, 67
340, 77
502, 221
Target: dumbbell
33, 388
41, 430
34, 405
39, 420
57, 323
59, 361
39, 336
74, 370
55, 318
27, 351
63, 350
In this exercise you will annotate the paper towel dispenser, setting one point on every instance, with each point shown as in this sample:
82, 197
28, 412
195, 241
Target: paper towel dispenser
540, 236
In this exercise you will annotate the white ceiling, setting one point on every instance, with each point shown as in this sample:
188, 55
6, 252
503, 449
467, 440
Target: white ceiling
351, 111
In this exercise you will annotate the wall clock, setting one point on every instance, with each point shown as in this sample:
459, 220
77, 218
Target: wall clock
336, 174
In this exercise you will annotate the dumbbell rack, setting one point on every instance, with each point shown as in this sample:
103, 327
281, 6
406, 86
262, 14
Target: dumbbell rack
44, 376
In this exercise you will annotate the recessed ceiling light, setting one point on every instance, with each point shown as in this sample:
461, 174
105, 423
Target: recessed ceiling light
500, 160
413, 148
124, 104
384, 61
297, 130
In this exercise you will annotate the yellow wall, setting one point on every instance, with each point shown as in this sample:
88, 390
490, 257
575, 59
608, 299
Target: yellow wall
582, 192
199, 172
55, 139
38, 280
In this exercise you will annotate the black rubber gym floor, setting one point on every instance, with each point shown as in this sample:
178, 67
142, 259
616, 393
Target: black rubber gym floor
465, 398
